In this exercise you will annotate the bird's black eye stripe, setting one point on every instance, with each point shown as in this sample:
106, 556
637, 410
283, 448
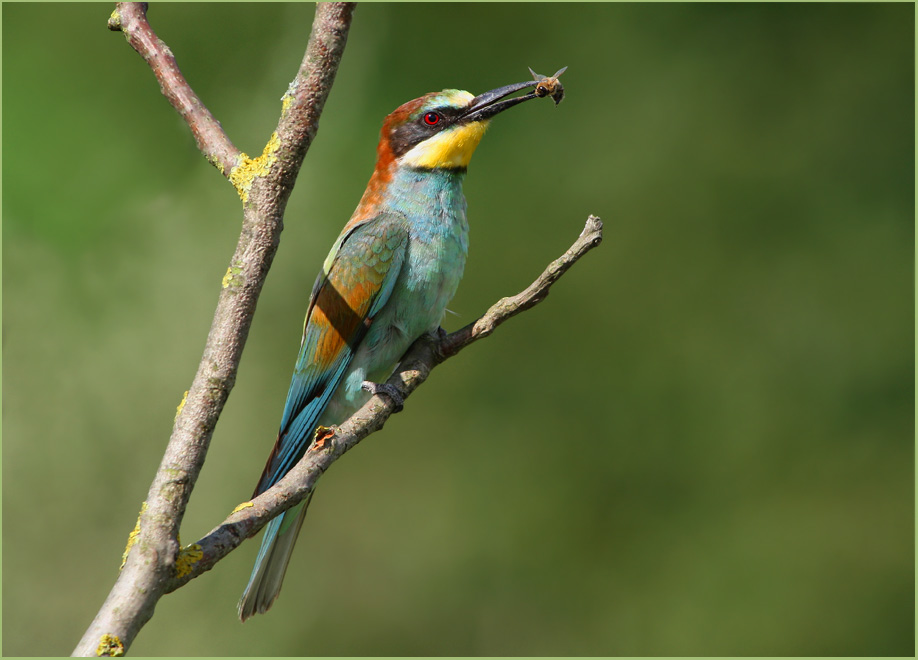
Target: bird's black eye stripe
439, 117
420, 128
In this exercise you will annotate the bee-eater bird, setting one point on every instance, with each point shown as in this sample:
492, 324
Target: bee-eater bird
385, 282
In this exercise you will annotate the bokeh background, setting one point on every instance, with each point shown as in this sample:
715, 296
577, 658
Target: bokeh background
700, 444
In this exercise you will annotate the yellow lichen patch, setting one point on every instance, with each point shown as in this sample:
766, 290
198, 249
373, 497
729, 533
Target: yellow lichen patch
248, 169
288, 96
244, 505
178, 409
111, 646
187, 558
229, 279
132, 537
216, 162
114, 21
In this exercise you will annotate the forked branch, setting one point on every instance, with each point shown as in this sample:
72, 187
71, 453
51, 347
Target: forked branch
154, 562
264, 184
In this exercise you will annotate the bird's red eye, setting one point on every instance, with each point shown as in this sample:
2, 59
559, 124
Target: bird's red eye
431, 119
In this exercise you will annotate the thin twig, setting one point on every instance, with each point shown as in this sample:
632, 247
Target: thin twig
424, 355
131, 19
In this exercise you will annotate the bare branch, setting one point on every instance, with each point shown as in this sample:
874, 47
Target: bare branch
424, 355
131, 19
503, 309
270, 177
151, 563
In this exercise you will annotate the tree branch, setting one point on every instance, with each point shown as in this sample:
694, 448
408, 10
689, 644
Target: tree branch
264, 184
154, 563
130, 18
426, 353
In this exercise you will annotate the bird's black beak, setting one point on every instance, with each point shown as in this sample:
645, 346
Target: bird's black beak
484, 106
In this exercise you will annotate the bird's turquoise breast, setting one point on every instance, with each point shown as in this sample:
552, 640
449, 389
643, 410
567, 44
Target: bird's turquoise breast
433, 203
435, 207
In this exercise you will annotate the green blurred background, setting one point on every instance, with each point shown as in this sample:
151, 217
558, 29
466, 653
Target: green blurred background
700, 444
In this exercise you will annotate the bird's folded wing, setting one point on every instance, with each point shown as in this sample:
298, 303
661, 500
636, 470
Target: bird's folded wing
356, 283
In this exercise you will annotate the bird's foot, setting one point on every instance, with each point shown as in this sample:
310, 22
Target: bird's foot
388, 390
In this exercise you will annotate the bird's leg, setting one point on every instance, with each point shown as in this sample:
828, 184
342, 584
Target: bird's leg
388, 390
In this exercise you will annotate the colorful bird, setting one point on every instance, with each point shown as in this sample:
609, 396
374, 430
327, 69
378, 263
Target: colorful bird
385, 282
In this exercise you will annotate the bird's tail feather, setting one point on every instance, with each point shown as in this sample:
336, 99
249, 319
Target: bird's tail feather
271, 564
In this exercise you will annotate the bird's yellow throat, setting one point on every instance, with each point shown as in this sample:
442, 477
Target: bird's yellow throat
451, 149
